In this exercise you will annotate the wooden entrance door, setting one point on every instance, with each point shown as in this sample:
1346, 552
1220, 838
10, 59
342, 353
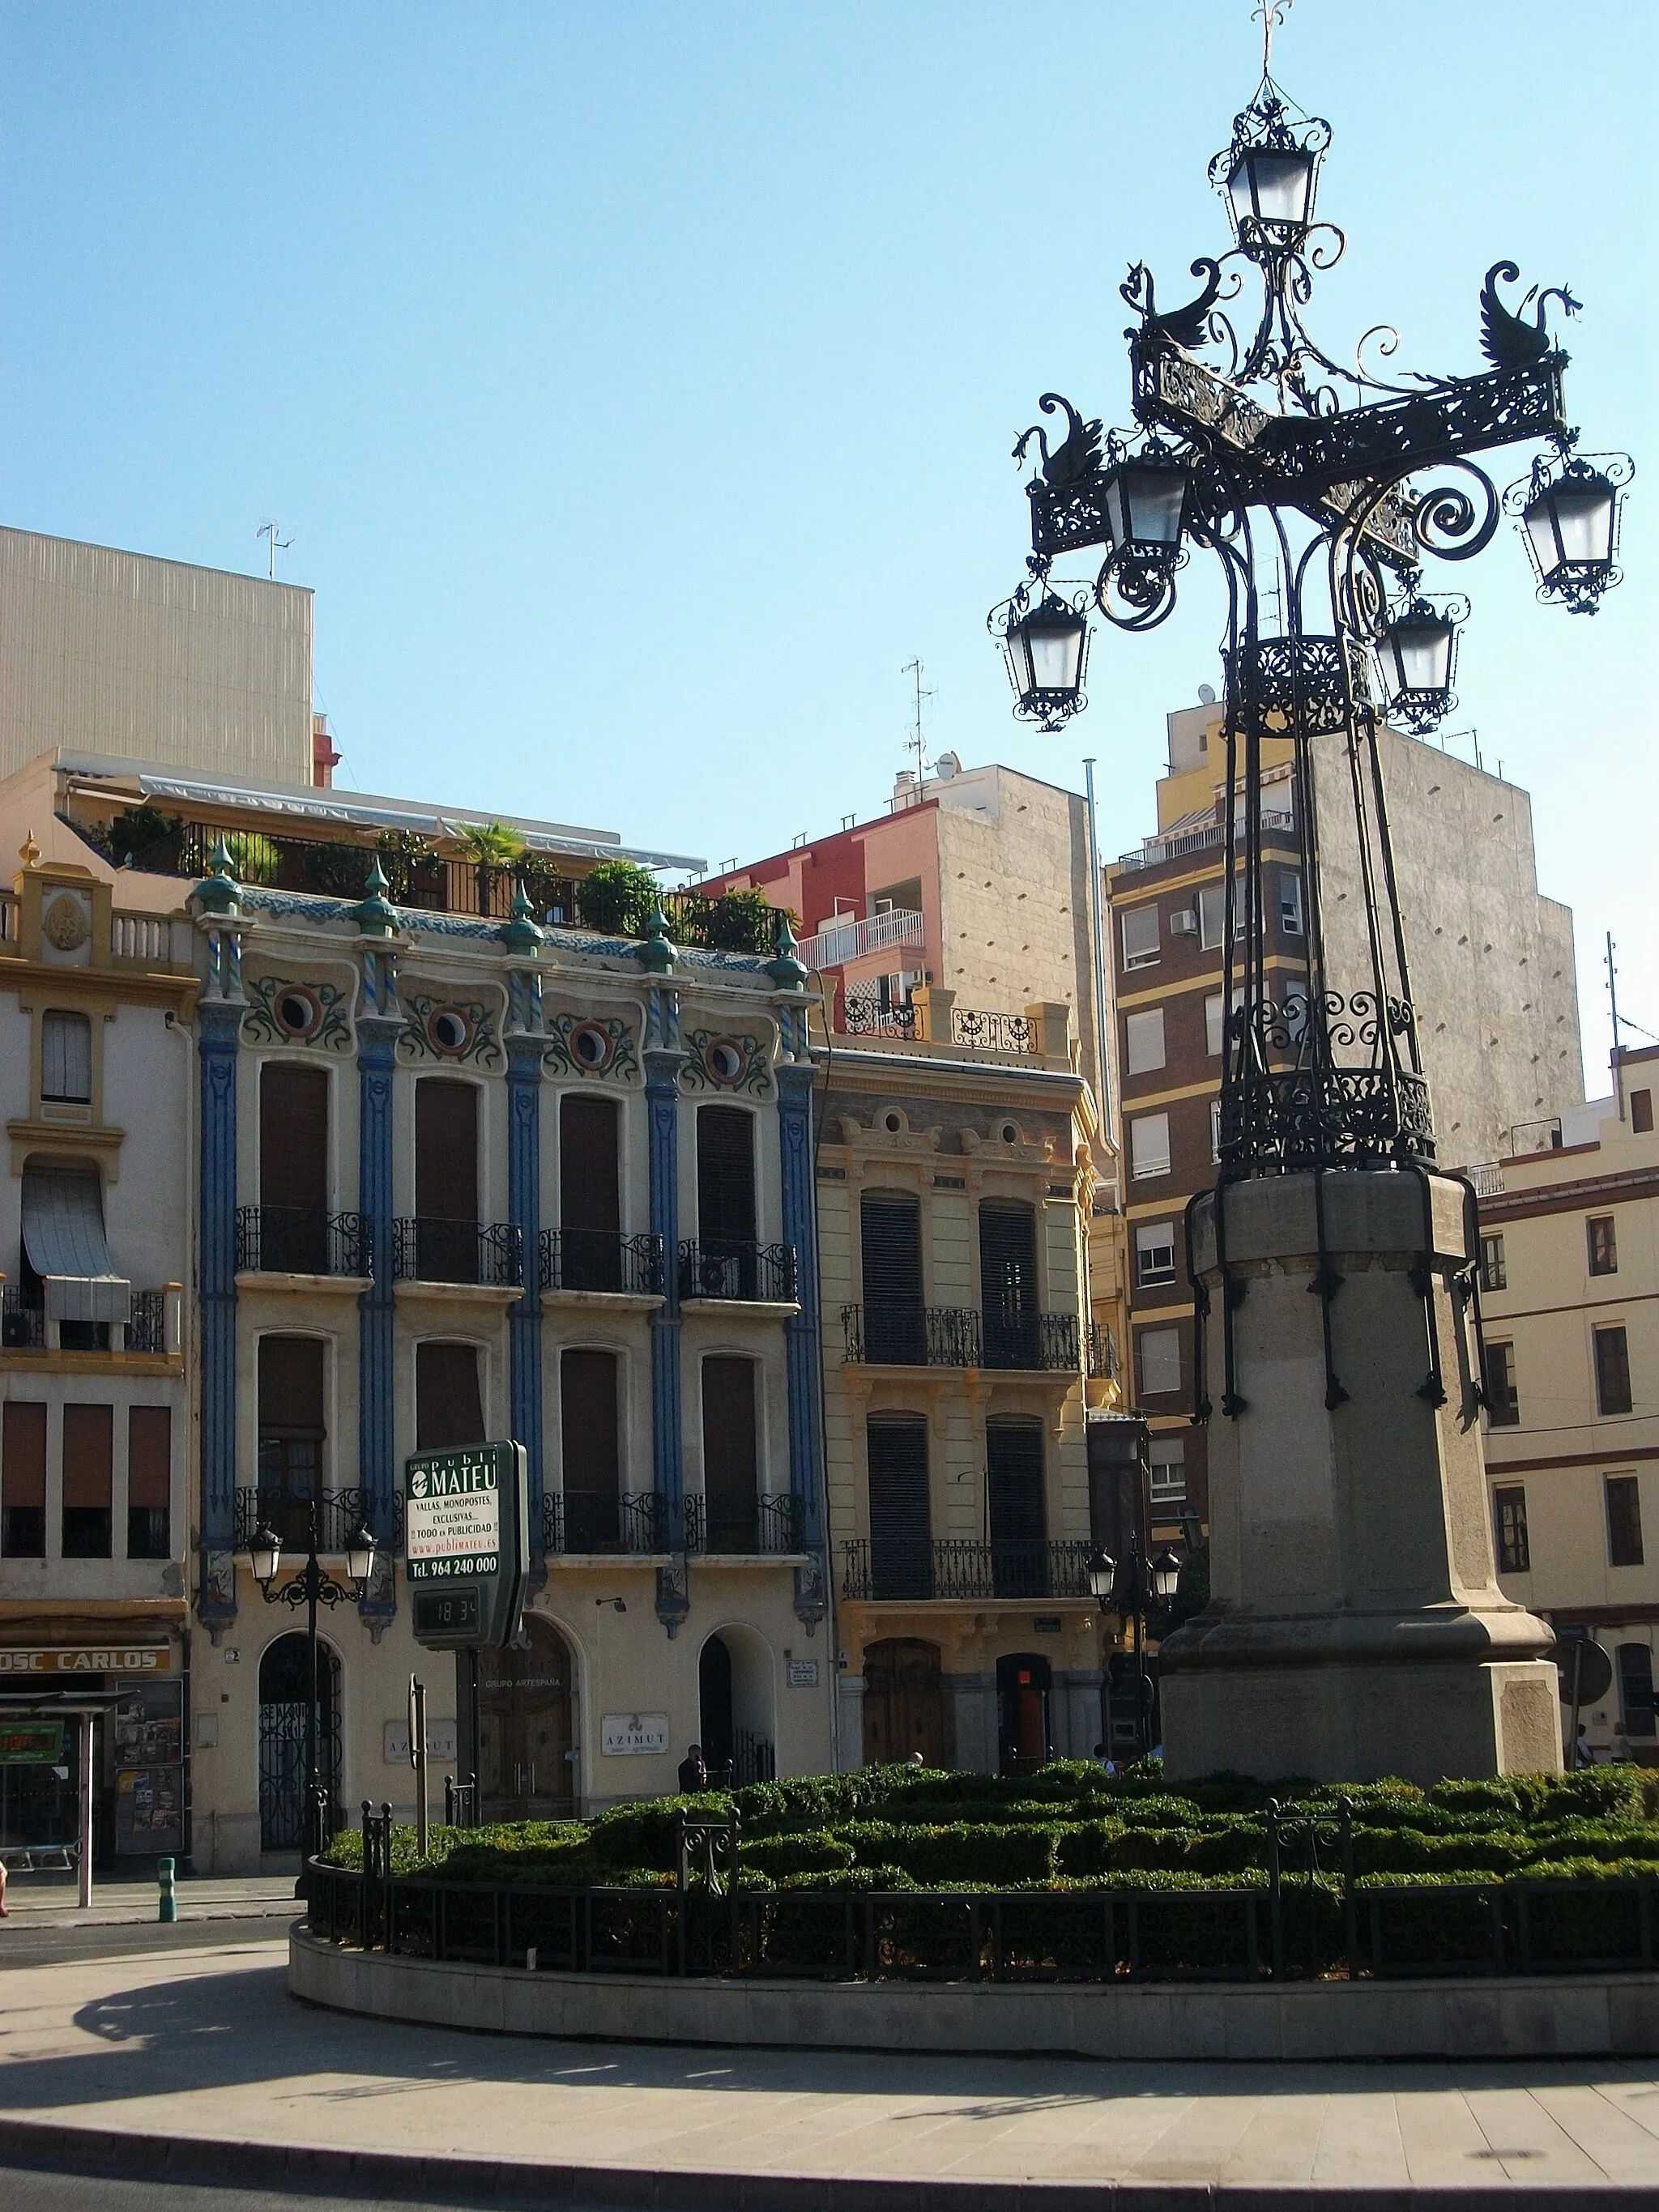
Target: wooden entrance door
525, 1730
904, 1702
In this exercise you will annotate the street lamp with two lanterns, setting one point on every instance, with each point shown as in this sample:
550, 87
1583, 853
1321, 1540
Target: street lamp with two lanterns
312, 1587
1131, 1588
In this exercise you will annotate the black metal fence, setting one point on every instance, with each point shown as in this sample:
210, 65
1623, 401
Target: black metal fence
340, 1513
960, 1567
596, 1521
769, 1526
961, 1336
602, 1260
700, 1920
727, 1268
291, 1240
990, 1032
431, 1251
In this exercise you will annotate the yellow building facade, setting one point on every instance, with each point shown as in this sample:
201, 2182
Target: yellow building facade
1569, 1274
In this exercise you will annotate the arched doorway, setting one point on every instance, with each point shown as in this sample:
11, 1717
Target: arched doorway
904, 1702
284, 1694
525, 1771
1022, 1684
734, 1704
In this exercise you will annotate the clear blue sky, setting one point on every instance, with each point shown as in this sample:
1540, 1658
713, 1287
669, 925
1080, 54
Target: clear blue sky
637, 382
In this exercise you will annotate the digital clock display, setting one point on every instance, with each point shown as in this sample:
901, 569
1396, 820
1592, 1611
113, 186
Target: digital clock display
445, 1613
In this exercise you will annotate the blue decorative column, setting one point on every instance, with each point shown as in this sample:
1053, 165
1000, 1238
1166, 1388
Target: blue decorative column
796, 1075
218, 1024
216, 1034
380, 1023
525, 1053
663, 1062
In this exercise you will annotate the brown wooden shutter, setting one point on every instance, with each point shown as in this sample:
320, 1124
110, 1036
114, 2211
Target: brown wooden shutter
589, 1193
445, 1151
448, 1410
587, 1423
1013, 1458
150, 1456
293, 1136
1007, 1259
89, 1457
730, 1473
291, 1386
725, 1175
23, 1468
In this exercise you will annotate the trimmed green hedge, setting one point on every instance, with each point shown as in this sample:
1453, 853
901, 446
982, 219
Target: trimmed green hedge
900, 1828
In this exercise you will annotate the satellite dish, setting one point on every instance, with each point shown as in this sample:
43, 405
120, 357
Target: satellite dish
1206, 694
947, 765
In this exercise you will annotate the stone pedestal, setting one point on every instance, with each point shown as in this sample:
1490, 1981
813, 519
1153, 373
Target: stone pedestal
1355, 1627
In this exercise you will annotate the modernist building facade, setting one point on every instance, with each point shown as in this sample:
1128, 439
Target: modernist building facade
954, 1196
1570, 1277
430, 1174
95, 1081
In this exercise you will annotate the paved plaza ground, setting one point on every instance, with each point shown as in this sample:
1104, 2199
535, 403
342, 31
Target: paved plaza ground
200, 2042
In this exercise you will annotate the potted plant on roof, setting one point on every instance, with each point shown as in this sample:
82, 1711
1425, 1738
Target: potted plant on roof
493, 850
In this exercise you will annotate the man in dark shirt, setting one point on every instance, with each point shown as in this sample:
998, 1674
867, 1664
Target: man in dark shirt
693, 1775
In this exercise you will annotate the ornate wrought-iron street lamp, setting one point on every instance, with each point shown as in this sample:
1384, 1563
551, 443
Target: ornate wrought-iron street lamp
1321, 489
1130, 1588
1046, 639
311, 1588
1258, 445
1568, 511
1418, 651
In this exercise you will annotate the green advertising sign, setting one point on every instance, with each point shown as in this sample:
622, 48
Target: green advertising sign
28, 1743
466, 1544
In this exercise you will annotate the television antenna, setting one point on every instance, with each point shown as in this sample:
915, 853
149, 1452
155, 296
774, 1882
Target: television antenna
277, 544
913, 742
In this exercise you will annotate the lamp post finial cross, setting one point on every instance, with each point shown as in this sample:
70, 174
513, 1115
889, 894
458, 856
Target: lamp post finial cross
1270, 14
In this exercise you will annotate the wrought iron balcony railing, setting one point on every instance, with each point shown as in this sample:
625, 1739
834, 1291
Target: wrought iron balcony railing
602, 1260
147, 1330
990, 1032
430, 1251
722, 1268
23, 1323
774, 1526
339, 1515
954, 1568
589, 1521
1102, 1351
959, 1336
291, 1240
864, 1012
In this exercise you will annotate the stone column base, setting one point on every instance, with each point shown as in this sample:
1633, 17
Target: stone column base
1342, 1720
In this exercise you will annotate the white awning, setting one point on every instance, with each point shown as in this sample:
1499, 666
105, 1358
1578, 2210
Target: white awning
63, 1236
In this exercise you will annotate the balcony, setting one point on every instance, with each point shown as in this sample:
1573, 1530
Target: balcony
601, 1260
488, 1253
587, 1522
1177, 844
721, 1268
288, 1240
1102, 1352
339, 1514
23, 1325
846, 937
775, 1527
961, 1336
931, 1570
420, 879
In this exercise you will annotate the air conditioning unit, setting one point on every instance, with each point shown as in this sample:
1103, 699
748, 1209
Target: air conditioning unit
1183, 922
